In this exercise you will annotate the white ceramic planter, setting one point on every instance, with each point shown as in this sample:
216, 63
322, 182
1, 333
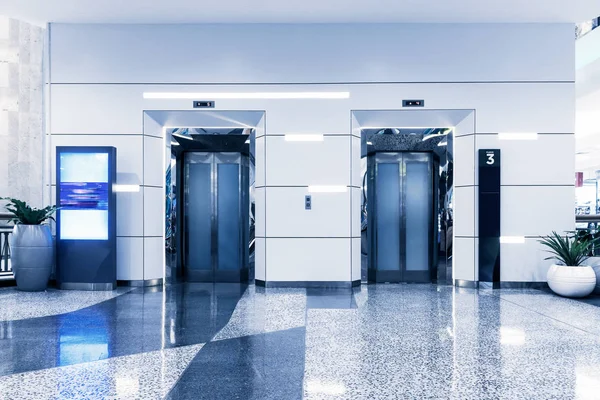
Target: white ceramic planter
571, 281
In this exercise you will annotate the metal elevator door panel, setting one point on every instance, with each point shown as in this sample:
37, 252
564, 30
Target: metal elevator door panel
400, 217
216, 220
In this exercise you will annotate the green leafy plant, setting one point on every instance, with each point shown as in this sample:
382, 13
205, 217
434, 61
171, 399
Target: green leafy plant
26, 215
570, 250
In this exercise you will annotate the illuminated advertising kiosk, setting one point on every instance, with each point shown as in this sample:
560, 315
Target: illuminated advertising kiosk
86, 218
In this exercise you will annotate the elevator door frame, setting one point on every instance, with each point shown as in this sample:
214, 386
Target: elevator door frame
402, 275
214, 274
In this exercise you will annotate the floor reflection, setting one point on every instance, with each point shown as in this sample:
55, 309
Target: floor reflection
139, 321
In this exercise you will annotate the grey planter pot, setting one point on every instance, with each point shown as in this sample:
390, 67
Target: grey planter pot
595, 263
32, 255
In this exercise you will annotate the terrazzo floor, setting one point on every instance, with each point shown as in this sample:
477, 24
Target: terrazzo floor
229, 341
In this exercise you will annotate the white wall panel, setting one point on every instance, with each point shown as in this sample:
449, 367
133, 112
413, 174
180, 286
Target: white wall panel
152, 127
129, 153
356, 260
464, 160
356, 211
260, 259
287, 53
154, 252
537, 210
259, 168
356, 161
308, 260
463, 260
549, 160
308, 163
154, 203
95, 109
287, 217
464, 211
130, 259
130, 213
260, 211
524, 262
154, 154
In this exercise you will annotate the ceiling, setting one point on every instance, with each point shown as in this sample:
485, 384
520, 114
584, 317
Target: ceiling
299, 11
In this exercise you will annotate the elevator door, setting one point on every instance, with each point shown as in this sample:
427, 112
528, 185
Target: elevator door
400, 217
216, 221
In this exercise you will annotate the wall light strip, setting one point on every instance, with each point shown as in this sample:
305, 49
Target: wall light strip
247, 95
512, 239
517, 136
327, 189
126, 188
308, 137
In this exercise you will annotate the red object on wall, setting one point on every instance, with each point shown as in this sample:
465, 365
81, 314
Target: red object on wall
578, 179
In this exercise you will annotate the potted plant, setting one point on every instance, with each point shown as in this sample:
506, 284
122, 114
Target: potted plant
570, 277
32, 250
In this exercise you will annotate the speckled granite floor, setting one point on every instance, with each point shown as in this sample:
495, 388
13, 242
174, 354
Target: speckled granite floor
227, 341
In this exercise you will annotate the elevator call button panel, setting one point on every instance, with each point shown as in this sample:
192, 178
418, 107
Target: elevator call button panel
307, 202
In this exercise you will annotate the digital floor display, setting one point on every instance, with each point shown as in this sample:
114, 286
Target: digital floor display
86, 224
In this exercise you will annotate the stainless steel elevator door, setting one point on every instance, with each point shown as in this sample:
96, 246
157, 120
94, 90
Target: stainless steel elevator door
400, 217
215, 217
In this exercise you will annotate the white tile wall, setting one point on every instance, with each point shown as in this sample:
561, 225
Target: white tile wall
259, 208
308, 163
536, 210
356, 260
154, 204
464, 211
463, 259
464, 160
524, 262
84, 110
154, 153
154, 253
356, 216
130, 213
130, 258
549, 160
260, 258
308, 260
287, 217
260, 161
356, 161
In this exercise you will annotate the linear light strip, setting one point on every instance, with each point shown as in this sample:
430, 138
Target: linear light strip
126, 188
292, 137
247, 95
512, 239
327, 189
518, 136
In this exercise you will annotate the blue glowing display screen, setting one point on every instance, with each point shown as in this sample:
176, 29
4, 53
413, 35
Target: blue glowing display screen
83, 201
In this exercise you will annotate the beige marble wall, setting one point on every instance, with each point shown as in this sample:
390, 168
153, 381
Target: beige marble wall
21, 110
